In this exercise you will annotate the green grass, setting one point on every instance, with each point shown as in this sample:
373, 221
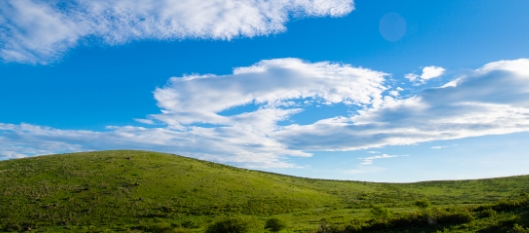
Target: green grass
138, 191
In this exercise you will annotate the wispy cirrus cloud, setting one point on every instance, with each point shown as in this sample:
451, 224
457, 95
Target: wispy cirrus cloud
442, 147
369, 160
491, 100
38, 31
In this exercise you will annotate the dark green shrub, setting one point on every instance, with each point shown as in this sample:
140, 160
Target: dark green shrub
410, 219
520, 229
189, 224
157, 227
457, 217
329, 227
486, 213
274, 224
353, 228
324, 226
13, 227
423, 204
380, 212
181, 230
233, 225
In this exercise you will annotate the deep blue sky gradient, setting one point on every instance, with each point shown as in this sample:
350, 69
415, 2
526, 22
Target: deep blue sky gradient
96, 85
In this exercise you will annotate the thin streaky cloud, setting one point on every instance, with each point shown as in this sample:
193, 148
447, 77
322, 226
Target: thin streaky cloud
369, 160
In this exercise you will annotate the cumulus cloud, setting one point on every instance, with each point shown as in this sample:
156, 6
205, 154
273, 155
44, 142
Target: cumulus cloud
491, 100
271, 84
428, 72
38, 31
412, 77
275, 86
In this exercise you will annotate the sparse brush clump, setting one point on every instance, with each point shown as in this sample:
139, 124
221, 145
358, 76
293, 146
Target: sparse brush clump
275, 224
379, 212
423, 204
441, 219
519, 229
240, 224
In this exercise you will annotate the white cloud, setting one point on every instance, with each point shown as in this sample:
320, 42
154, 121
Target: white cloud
38, 31
236, 145
274, 85
430, 72
270, 84
412, 77
145, 121
441, 147
369, 160
491, 100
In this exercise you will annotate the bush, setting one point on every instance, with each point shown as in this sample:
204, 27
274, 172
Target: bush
189, 224
486, 213
158, 227
233, 225
423, 204
181, 230
520, 229
456, 217
380, 212
329, 227
274, 224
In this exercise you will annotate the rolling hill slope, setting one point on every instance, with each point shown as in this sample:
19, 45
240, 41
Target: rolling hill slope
140, 191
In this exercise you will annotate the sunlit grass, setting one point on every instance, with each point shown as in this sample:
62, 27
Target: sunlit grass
147, 191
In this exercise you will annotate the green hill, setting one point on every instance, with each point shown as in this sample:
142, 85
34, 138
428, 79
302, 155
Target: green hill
138, 191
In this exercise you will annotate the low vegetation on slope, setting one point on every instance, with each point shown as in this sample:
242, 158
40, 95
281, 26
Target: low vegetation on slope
138, 191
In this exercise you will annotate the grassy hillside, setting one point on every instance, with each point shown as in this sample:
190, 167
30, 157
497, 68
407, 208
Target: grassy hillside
153, 192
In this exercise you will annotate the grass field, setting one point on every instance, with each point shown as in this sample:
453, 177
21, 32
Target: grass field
139, 191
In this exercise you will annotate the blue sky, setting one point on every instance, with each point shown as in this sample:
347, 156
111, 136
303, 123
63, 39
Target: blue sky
391, 91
